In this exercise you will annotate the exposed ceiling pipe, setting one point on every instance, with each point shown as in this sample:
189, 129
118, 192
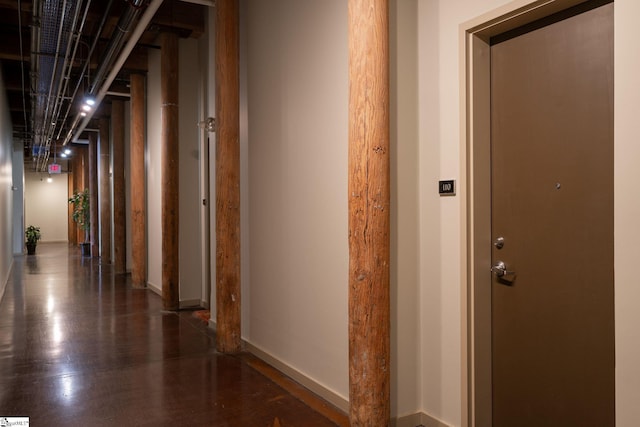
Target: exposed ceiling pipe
24, 89
62, 81
146, 18
209, 3
125, 23
55, 80
86, 66
35, 63
56, 77
63, 89
56, 21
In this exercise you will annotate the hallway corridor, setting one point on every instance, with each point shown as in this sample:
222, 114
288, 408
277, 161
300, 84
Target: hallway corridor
80, 347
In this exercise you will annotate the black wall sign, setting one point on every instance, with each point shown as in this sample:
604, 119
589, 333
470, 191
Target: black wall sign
447, 188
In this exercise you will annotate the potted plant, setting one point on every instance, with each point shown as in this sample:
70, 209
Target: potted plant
81, 215
32, 234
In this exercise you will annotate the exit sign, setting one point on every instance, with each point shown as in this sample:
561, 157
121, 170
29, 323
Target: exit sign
54, 168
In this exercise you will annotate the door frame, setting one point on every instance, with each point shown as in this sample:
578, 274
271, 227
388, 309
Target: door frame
475, 74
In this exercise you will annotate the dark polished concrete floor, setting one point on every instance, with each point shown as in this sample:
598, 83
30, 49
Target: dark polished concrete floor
80, 347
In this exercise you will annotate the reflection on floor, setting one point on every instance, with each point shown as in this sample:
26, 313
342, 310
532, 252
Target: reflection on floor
80, 347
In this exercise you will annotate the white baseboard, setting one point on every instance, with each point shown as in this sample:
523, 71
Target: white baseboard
5, 280
412, 420
190, 303
328, 395
417, 419
154, 288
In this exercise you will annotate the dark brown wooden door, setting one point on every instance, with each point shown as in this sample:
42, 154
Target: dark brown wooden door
552, 203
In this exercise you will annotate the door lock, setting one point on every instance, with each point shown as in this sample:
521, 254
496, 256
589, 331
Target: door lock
502, 273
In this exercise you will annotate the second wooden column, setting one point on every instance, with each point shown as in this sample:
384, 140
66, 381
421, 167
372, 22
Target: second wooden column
369, 247
228, 301
170, 152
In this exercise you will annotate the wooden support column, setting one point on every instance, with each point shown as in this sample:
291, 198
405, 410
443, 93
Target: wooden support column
137, 182
93, 194
228, 302
369, 253
105, 191
119, 219
170, 152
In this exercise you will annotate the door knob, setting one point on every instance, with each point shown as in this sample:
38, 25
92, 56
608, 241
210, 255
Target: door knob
502, 273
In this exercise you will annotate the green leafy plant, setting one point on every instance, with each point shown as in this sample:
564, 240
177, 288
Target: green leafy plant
32, 234
81, 213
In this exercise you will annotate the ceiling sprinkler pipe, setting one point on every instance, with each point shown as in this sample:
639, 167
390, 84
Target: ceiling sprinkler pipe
126, 51
125, 23
84, 69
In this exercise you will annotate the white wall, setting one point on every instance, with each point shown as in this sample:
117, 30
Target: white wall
297, 112
127, 186
206, 49
627, 211
405, 255
154, 170
47, 205
6, 196
437, 370
189, 165
440, 249
297, 109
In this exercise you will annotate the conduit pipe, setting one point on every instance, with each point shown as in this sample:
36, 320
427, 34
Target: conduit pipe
63, 81
208, 3
35, 63
56, 79
146, 18
86, 65
117, 39
70, 59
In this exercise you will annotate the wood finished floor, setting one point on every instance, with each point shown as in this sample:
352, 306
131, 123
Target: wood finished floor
80, 347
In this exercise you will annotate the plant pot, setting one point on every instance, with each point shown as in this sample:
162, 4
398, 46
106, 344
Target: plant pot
31, 248
85, 249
